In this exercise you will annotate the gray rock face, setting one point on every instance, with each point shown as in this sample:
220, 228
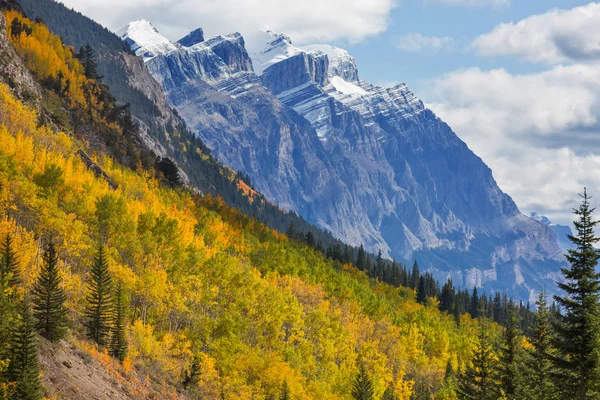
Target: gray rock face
370, 164
194, 37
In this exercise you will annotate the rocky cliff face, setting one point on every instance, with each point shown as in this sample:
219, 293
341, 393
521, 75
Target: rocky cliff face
370, 164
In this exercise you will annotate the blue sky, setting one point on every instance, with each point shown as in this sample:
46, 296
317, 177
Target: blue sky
380, 61
517, 80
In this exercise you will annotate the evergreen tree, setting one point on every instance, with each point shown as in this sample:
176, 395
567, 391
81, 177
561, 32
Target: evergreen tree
389, 394
285, 391
23, 368
540, 369
191, 376
87, 58
99, 300
415, 276
474, 304
118, 343
362, 388
9, 265
16, 28
578, 330
361, 258
421, 291
49, 298
511, 356
7, 313
479, 380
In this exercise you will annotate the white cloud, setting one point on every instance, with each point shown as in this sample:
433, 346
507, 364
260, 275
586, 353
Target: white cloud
557, 36
306, 20
540, 133
472, 3
415, 42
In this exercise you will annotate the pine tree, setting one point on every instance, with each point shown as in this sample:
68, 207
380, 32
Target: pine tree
415, 276
88, 60
389, 394
578, 330
361, 258
118, 342
421, 291
23, 368
99, 300
7, 313
479, 380
363, 388
285, 391
474, 304
540, 369
511, 356
49, 298
9, 265
191, 376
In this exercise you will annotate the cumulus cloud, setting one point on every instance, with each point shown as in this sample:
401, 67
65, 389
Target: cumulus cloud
540, 133
415, 42
472, 3
304, 21
557, 36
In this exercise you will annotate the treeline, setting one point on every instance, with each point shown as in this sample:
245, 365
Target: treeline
452, 300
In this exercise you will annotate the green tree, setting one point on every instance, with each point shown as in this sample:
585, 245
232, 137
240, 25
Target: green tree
362, 388
415, 276
23, 368
511, 356
118, 343
577, 328
9, 264
285, 391
99, 309
479, 379
7, 311
361, 258
191, 375
389, 394
49, 298
540, 368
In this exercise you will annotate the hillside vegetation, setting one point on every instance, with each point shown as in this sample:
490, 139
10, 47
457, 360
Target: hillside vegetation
207, 288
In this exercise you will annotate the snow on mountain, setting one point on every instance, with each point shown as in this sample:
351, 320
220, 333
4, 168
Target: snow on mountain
341, 63
145, 40
370, 164
562, 231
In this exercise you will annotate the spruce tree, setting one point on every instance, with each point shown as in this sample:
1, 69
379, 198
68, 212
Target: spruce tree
118, 342
415, 276
99, 300
7, 313
285, 391
361, 258
511, 356
389, 394
577, 329
540, 368
479, 379
9, 265
362, 388
49, 298
23, 368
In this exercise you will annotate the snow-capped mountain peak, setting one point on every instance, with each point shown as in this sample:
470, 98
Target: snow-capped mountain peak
145, 40
266, 48
341, 63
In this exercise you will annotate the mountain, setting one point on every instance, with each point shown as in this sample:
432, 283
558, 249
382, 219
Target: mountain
562, 231
370, 164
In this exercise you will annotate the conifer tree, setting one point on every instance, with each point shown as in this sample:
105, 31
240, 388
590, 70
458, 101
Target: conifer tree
9, 265
362, 388
415, 276
474, 306
421, 291
99, 300
285, 391
578, 329
49, 298
7, 313
191, 376
389, 394
479, 379
361, 258
540, 369
511, 356
88, 60
118, 343
23, 368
